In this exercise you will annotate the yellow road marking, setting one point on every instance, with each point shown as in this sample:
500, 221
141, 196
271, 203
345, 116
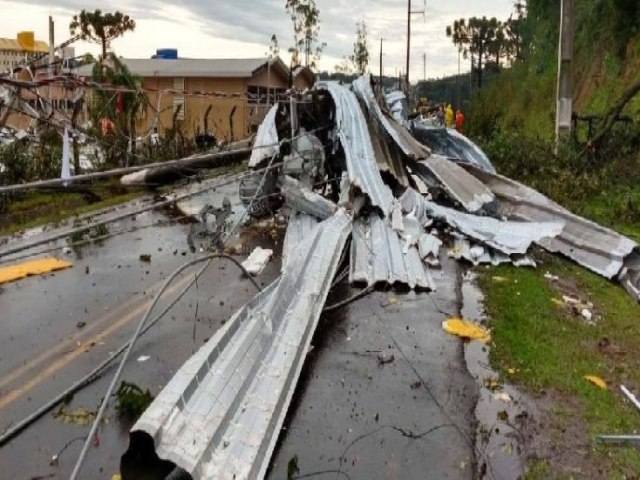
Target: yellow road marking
69, 357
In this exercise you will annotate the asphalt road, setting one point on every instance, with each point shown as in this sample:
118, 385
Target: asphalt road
58, 327
385, 392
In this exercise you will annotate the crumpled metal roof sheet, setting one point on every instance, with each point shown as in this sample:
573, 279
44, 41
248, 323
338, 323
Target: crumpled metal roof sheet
451, 144
508, 237
303, 199
301, 225
595, 247
265, 145
354, 136
464, 188
220, 415
377, 256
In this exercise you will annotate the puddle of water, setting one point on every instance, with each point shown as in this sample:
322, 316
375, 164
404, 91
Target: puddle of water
501, 411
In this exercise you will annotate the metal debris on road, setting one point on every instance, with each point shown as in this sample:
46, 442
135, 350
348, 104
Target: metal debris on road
258, 259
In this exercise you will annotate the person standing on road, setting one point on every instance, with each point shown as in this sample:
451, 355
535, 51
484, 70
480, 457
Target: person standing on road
459, 120
448, 116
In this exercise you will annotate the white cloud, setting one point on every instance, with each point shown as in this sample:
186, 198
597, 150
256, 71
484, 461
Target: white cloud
243, 28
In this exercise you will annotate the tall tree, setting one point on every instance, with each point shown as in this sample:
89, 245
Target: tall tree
360, 57
475, 37
274, 47
305, 17
101, 28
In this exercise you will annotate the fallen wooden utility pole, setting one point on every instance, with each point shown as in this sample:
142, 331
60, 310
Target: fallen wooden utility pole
165, 174
57, 182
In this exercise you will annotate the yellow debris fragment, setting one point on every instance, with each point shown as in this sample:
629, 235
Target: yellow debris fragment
557, 302
32, 267
499, 279
597, 381
116, 476
466, 329
512, 371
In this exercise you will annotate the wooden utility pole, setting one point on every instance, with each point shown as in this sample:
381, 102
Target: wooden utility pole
51, 60
424, 66
381, 71
409, 13
564, 103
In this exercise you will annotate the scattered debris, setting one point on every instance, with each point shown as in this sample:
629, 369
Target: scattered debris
41, 266
502, 397
132, 401
384, 358
466, 329
81, 324
631, 396
79, 416
143, 358
549, 276
635, 439
145, 257
597, 381
257, 260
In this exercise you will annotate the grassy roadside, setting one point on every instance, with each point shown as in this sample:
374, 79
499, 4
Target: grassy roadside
552, 348
40, 208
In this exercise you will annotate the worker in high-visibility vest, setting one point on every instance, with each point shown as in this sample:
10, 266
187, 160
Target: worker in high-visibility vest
459, 120
448, 117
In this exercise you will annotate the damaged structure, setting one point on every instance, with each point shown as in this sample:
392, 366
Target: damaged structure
361, 190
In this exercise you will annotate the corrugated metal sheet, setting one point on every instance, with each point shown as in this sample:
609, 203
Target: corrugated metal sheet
220, 415
598, 248
304, 200
377, 256
301, 225
461, 186
451, 144
388, 157
508, 237
353, 133
266, 143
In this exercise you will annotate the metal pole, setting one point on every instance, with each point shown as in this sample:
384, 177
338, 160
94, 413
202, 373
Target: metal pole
381, 74
458, 83
564, 105
51, 60
408, 44
424, 66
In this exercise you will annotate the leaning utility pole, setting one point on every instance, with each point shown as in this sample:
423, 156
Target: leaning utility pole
564, 106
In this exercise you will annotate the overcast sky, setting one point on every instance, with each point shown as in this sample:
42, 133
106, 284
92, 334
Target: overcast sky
243, 28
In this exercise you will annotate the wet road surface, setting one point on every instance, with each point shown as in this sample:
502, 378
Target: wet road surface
58, 327
386, 393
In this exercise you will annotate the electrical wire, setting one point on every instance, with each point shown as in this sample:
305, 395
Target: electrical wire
208, 258
100, 369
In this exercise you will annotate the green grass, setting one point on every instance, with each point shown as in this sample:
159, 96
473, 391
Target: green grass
41, 208
552, 349
51, 208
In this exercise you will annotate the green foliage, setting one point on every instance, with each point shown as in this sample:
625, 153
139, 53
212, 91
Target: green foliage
25, 161
360, 57
120, 108
132, 401
305, 17
100, 27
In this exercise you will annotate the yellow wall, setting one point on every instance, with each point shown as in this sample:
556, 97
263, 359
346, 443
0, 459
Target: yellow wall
195, 107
